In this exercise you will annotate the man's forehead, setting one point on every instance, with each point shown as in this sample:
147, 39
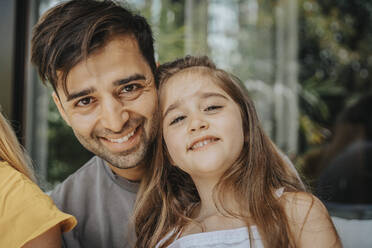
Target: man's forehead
125, 43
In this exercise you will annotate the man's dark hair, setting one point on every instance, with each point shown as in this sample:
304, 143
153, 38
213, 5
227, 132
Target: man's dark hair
67, 33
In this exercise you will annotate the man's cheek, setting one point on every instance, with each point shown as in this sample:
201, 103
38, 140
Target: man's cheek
83, 123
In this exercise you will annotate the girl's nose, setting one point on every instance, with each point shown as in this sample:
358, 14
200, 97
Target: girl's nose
198, 124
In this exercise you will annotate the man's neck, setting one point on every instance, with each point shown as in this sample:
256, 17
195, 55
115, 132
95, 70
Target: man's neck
131, 174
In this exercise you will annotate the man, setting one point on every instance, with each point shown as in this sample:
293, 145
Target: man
99, 59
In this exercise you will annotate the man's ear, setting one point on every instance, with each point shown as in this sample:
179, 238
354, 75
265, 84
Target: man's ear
60, 108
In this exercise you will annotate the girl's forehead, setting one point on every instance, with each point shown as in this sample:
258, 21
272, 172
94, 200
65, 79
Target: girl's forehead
190, 86
191, 80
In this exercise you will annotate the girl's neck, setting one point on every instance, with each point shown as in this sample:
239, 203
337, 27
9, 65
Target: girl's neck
211, 206
211, 215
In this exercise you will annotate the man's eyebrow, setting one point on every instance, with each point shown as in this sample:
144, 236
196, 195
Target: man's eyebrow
72, 96
129, 79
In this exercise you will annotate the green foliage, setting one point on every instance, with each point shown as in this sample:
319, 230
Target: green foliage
168, 28
335, 61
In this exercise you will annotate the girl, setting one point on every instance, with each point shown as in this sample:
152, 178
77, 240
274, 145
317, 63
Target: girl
28, 217
217, 180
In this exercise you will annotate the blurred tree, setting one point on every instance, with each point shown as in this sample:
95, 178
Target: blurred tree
335, 59
167, 21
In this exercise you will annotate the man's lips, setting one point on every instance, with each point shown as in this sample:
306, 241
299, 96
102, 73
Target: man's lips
123, 143
123, 138
201, 142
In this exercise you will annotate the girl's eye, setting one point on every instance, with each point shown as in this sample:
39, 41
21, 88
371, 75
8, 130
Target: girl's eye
212, 107
178, 119
84, 102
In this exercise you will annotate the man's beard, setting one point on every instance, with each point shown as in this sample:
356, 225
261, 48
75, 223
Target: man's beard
130, 158
127, 159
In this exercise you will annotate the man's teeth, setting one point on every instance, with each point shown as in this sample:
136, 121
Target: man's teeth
124, 139
201, 143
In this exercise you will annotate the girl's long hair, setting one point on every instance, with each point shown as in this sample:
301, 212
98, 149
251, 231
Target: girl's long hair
168, 196
12, 152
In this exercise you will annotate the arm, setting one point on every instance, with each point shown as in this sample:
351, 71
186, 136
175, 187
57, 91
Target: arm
49, 239
309, 221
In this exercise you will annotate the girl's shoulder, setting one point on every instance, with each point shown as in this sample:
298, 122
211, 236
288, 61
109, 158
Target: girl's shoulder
26, 211
302, 204
7, 172
309, 220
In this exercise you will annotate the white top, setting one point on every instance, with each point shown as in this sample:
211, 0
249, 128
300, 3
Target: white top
237, 238
231, 238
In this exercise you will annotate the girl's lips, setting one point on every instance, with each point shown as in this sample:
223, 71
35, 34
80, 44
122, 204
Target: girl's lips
201, 142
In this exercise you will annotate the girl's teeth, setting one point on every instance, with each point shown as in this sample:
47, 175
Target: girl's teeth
124, 139
201, 144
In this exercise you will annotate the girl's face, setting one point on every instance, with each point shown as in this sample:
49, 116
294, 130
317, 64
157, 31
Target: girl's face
202, 125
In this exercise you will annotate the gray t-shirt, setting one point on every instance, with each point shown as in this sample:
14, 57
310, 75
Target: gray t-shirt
102, 202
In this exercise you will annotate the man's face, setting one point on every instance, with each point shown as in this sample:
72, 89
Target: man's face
111, 103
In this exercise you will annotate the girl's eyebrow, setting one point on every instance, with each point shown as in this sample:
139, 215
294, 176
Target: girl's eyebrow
205, 95
212, 94
172, 107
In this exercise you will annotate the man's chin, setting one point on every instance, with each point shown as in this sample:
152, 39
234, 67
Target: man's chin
126, 160
119, 158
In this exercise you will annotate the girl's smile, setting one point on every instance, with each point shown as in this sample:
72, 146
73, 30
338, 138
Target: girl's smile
202, 125
203, 142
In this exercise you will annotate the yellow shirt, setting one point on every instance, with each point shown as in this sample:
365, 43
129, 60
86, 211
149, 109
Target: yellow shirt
25, 211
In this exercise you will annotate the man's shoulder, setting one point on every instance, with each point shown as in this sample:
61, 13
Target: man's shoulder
77, 182
88, 194
90, 168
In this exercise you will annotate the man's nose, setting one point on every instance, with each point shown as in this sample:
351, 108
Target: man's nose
197, 123
114, 115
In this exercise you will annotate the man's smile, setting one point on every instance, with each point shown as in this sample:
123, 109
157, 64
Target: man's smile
124, 138
124, 143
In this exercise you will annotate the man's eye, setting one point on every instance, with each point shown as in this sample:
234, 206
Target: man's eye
213, 107
84, 102
130, 88
178, 119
